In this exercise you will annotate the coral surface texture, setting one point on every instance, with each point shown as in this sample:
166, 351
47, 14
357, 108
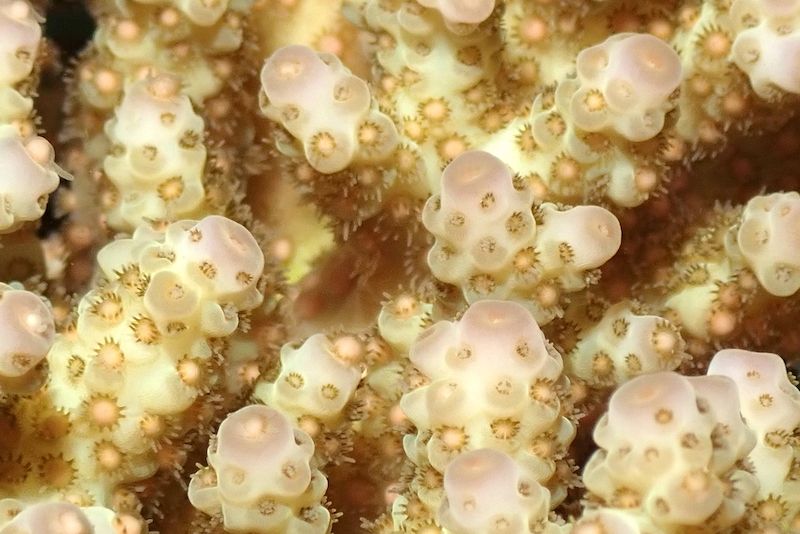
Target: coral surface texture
399, 266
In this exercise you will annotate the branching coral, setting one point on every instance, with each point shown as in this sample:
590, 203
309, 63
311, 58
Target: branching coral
400, 266
259, 476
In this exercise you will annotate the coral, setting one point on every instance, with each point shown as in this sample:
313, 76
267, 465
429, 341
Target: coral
623, 85
29, 172
492, 381
669, 449
460, 11
30, 162
326, 108
489, 243
61, 518
771, 407
316, 383
765, 36
485, 491
142, 356
399, 266
27, 335
156, 161
624, 344
765, 241
259, 476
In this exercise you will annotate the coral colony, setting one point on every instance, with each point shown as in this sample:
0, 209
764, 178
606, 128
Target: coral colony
401, 266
